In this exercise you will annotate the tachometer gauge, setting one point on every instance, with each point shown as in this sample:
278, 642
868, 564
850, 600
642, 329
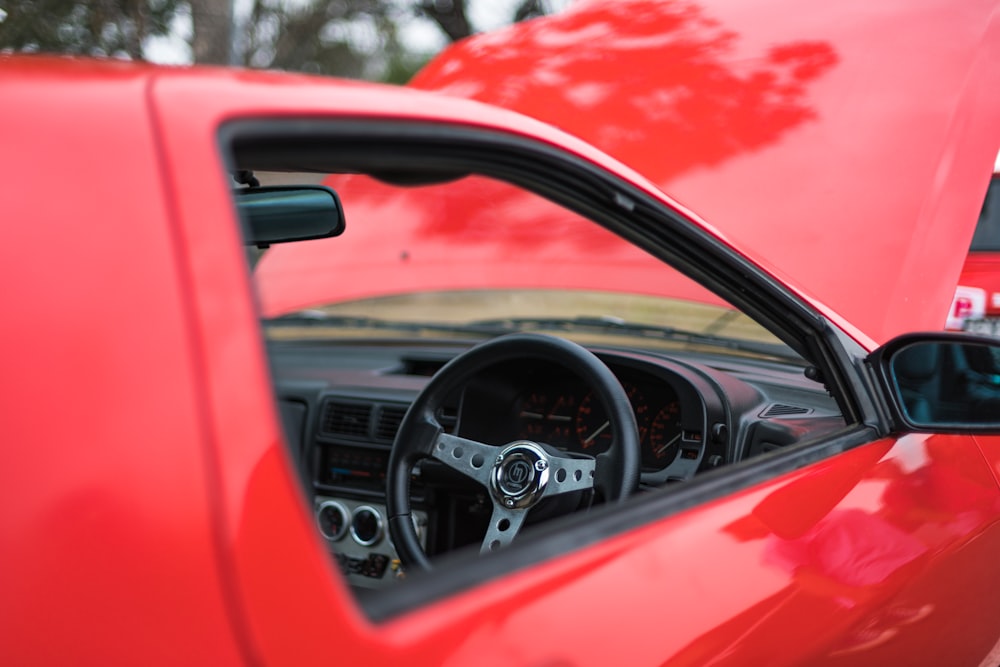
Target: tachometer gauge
664, 437
547, 417
532, 416
593, 430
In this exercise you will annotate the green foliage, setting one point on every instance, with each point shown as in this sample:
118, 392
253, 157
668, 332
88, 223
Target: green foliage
401, 69
348, 38
103, 28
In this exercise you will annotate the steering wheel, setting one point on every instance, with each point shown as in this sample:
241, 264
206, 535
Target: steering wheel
520, 474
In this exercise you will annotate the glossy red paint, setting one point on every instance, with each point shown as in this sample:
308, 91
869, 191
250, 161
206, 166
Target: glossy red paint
704, 98
110, 551
726, 105
797, 602
151, 515
522, 242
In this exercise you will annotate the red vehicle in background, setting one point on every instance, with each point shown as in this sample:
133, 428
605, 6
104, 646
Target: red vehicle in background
976, 307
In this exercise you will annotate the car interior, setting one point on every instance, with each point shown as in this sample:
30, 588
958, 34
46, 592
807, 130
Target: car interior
459, 422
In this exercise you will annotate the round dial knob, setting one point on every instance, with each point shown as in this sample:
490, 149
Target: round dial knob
332, 518
366, 526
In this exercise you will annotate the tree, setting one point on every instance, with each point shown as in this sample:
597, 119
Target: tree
104, 28
354, 38
357, 38
452, 17
212, 31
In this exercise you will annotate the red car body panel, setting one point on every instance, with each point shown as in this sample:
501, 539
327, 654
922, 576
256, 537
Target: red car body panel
151, 515
110, 531
726, 104
531, 244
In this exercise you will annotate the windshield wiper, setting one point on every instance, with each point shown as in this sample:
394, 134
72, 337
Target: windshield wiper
320, 319
499, 326
618, 326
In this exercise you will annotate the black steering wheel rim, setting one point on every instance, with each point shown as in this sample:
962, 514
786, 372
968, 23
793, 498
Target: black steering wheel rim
616, 473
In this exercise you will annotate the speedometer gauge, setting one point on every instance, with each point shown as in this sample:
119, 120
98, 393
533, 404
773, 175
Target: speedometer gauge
664, 437
593, 430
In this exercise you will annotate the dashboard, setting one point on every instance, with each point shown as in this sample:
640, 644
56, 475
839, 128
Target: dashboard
342, 404
543, 402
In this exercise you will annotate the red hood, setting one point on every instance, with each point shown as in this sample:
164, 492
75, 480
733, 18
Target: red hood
849, 143
442, 240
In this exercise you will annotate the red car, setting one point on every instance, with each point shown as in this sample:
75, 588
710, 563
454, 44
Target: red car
312, 371
977, 298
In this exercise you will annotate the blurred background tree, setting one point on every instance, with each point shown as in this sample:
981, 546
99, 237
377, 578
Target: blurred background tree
386, 40
116, 29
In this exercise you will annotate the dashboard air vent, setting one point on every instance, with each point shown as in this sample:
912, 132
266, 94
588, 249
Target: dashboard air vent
351, 419
782, 410
388, 422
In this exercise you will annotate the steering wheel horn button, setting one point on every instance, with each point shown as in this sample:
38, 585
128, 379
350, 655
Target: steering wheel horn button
520, 475
516, 476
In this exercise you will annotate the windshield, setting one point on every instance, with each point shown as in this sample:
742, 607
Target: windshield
474, 257
585, 317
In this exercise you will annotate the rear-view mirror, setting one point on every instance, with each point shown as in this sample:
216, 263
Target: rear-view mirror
281, 214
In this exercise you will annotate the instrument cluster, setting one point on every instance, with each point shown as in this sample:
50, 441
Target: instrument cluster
565, 415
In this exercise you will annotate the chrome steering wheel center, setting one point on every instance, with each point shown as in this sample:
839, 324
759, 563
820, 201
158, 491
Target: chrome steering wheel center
519, 475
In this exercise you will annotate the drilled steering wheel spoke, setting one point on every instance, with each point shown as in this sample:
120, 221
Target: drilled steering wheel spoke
504, 525
472, 459
567, 475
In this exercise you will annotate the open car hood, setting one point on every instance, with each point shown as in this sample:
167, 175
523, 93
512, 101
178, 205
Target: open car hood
846, 149
849, 144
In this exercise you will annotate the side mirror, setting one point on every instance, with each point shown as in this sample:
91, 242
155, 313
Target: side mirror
281, 214
942, 382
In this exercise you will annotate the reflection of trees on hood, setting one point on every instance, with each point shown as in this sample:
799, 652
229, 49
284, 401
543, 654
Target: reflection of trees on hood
475, 212
656, 84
